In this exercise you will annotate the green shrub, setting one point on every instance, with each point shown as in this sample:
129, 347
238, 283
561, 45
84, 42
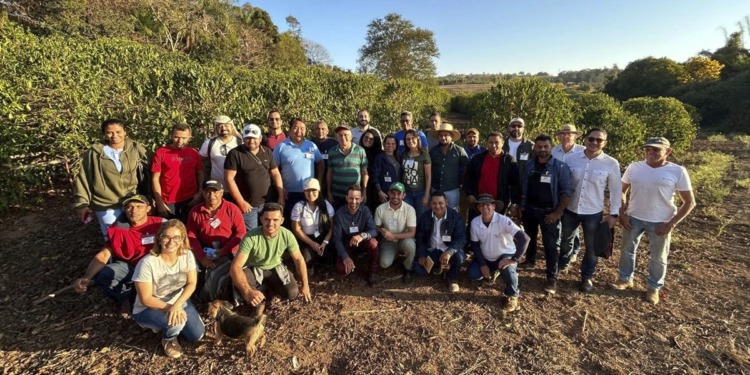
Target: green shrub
708, 170
664, 117
718, 137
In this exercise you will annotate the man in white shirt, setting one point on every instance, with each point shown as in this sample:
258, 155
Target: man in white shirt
651, 209
517, 146
592, 171
214, 150
396, 221
567, 135
492, 236
363, 122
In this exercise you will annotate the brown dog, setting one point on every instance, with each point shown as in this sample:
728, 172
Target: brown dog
234, 326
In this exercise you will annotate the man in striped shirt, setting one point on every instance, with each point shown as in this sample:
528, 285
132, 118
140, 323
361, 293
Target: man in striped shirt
347, 165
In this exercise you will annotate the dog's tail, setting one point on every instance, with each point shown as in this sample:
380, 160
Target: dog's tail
262, 319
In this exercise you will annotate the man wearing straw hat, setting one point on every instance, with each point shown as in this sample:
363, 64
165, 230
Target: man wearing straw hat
448, 159
214, 150
567, 135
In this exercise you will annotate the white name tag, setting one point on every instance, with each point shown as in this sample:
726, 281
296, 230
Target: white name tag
524, 156
215, 223
546, 179
387, 178
309, 155
325, 156
401, 142
392, 223
148, 239
410, 163
353, 229
317, 233
446, 238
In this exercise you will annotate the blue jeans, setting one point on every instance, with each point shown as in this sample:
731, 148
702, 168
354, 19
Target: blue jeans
106, 218
533, 219
657, 245
116, 280
191, 330
590, 223
509, 275
414, 199
251, 218
452, 197
456, 261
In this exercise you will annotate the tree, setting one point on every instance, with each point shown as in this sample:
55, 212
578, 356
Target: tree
646, 77
732, 54
701, 69
394, 48
316, 54
664, 117
294, 27
288, 52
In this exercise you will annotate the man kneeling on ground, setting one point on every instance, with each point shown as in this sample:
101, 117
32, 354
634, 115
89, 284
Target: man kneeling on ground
492, 236
397, 223
258, 262
129, 240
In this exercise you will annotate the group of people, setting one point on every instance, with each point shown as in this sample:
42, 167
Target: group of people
247, 201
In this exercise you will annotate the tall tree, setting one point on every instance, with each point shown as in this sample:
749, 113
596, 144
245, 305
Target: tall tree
295, 28
646, 77
316, 54
394, 48
288, 52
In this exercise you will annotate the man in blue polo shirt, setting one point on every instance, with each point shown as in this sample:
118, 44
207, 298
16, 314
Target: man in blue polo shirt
299, 160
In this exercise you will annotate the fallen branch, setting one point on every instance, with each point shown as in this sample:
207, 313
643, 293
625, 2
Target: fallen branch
370, 311
585, 316
473, 367
52, 295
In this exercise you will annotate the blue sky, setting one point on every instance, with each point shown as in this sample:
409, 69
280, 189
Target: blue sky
531, 36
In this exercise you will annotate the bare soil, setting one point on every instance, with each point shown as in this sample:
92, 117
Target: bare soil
700, 326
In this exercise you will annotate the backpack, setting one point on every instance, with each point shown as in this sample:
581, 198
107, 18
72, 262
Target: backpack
207, 162
217, 283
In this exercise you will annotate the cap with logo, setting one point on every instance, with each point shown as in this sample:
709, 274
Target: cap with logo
341, 127
312, 183
251, 131
517, 119
213, 184
657, 142
397, 186
136, 198
473, 130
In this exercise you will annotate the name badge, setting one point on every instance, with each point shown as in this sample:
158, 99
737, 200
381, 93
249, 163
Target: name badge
325, 156
387, 178
148, 239
353, 229
546, 179
524, 156
309, 155
401, 142
446, 238
410, 163
392, 223
317, 233
215, 223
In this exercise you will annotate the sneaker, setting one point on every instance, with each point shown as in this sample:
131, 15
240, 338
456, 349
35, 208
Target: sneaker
407, 278
622, 284
565, 269
587, 286
573, 258
453, 287
526, 265
172, 348
652, 296
371, 280
550, 285
511, 304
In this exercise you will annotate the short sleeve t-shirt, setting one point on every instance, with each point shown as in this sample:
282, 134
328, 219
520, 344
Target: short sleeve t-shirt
412, 168
217, 154
308, 219
652, 190
167, 281
253, 176
496, 239
178, 168
265, 253
347, 169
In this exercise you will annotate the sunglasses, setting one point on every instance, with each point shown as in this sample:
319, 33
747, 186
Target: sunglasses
223, 150
274, 119
516, 126
597, 140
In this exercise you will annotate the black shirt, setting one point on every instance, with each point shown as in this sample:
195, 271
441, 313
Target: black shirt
540, 187
253, 172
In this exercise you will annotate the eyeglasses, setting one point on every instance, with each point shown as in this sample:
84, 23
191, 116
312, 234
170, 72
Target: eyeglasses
274, 119
516, 126
597, 140
177, 238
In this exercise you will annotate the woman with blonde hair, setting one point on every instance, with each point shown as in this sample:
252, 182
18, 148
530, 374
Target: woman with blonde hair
164, 281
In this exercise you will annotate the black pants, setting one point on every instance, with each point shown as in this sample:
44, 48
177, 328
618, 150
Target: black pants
311, 256
180, 210
272, 283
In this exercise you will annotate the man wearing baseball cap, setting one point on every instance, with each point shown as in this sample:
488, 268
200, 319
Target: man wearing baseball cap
650, 209
215, 149
517, 146
214, 227
472, 143
397, 224
249, 171
130, 238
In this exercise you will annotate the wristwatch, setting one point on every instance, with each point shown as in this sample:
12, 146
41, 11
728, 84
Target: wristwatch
615, 216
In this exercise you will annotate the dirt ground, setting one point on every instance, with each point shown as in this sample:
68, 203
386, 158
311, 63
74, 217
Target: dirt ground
700, 326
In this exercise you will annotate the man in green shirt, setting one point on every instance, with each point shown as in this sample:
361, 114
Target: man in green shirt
257, 267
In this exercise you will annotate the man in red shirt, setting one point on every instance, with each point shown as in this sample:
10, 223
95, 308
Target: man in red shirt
495, 173
130, 238
214, 225
275, 135
177, 176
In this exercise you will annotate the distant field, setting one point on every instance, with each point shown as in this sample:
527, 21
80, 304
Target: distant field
457, 89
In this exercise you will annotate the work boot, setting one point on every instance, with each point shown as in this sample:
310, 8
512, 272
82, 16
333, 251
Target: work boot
511, 304
652, 296
125, 309
622, 284
172, 348
550, 285
407, 277
587, 286
371, 279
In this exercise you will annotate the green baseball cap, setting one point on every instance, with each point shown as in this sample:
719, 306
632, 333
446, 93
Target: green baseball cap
398, 186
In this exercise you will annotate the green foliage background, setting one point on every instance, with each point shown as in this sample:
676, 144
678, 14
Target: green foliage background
56, 90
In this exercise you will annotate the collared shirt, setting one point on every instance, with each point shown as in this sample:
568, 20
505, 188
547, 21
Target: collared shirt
446, 168
559, 153
590, 177
347, 225
437, 240
476, 151
560, 180
396, 221
357, 133
273, 140
296, 163
496, 239
222, 231
307, 218
347, 169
